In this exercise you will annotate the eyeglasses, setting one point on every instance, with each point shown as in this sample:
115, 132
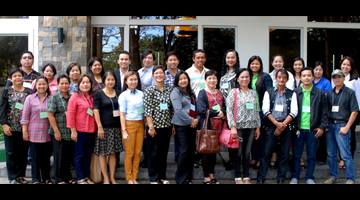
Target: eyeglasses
28, 57
336, 77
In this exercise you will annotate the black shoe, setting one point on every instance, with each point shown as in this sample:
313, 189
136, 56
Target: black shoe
280, 182
229, 166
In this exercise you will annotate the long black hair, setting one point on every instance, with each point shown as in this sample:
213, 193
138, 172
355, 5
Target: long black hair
241, 70
258, 83
189, 91
225, 67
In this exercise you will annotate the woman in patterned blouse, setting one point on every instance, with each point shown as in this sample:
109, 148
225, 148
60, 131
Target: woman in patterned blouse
158, 113
247, 122
35, 127
11, 105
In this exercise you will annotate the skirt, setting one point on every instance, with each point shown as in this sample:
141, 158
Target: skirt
110, 144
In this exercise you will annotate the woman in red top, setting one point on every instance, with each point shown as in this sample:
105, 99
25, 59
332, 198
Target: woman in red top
81, 121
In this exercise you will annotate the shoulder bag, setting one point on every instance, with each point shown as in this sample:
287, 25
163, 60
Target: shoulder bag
208, 140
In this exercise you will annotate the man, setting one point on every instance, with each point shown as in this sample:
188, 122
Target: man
172, 61
145, 72
279, 108
26, 61
343, 109
197, 71
124, 61
311, 123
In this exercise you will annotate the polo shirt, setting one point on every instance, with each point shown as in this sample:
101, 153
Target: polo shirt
28, 78
345, 99
197, 79
305, 109
132, 104
323, 84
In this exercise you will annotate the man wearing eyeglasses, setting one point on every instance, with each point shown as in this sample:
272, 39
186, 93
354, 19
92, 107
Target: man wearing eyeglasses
343, 109
26, 61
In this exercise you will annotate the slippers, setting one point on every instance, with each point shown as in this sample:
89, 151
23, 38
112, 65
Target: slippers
21, 180
164, 181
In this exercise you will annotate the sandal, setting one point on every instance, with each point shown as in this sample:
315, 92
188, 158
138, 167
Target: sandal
14, 182
214, 181
48, 182
341, 164
164, 181
240, 181
61, 183
72, 182
21, 180
36, 183
89, 181
82, 181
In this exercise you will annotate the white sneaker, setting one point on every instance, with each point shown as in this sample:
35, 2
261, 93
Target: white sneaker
294, 181
310, 181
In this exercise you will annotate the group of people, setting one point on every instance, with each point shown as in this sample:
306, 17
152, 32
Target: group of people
104, 112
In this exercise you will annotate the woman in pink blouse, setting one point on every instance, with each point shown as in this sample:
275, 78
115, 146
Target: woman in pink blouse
81, 121
35, 127
49, 72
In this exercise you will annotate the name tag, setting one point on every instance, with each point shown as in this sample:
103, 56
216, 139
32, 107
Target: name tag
306, 109
19, 106
116, 113
163, 106
335, 109
279, 108
90, 112
192, 107
217, 107
140, 110
201, 85
225, 86
27, 84
43, 115
249, 106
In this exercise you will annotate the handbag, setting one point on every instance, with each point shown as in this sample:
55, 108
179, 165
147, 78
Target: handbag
225, 135
208, 140
95, 170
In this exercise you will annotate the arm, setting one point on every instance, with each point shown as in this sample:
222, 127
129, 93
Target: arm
4, 105
97, 105
344, 130
52, 121
71, 116
179, 112
320, 130
25, 118
230, 104
123, 108
149, 111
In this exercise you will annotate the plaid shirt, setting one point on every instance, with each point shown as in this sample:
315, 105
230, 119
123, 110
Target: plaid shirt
58, 104
169, 79
37, 128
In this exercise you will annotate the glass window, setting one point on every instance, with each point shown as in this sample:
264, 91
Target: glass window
216, 42
14, 17
11, 48
164, 17
160, 40
285, 42
347, 19
107, 43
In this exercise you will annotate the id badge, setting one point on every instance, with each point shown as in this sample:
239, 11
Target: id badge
163, 106
306, 109
43, 115
19, 106
27, 84
249, 106
201, 85
217, 107
279, 108
225, 86
140, 110
90, 112
335, 109
192, 107
116, 113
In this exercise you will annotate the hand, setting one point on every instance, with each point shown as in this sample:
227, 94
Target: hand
277, 132
25, 136
281, 126
173, 131
194, 123
257, 133
74, 136
57, 136
125, 136
221, 114
344, 130
7, 130
100, 133
152, 132
319, 132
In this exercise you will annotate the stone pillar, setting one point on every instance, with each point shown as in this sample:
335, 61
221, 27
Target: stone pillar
76, 46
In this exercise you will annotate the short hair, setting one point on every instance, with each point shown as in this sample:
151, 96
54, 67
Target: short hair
70, 66
14, 70
146, 53
241, 70
171, 53
62, 76
53, 68
26, 51
198, 51
307, 68
282, 70
124, 52
157, 67
81, 79
210, 73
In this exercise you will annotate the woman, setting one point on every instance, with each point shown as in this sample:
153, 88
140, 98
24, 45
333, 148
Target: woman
35, 127
278, 63
49, 71
74, 72
60, 135
297, 64
11, 106
107, 117
96, 71
260, 82
133, 125
183, 100
158, 113
81, 121
211, 99
231, 65
247, 123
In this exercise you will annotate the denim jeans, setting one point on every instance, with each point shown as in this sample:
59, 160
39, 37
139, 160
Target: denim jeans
335, 140
305, 137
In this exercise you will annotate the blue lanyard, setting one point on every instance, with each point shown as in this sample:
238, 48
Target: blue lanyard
62, 101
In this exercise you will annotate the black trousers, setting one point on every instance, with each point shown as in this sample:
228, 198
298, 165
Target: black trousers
157, 152
63, 158
16, 155
40, 165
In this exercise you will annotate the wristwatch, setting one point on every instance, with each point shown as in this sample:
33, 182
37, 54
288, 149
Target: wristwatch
124, 129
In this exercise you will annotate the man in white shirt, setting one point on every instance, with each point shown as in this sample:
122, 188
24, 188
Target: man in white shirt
197, 71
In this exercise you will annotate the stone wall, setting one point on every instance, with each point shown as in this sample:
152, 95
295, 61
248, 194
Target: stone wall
76, 46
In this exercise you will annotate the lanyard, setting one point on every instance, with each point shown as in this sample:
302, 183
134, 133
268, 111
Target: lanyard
339, 98
62, 101
86, 100
112, 103
21, 96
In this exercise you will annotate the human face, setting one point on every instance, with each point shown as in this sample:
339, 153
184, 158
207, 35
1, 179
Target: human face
63, 85
346, 66
199, 59
109, 81
244, 79
211, 81
278, 63
96, 68
306, 77
148, 61
338, 80
255, 66
124, 61
48, 73
231, 59
41, 86
132, 82
74, 73
172, 62
298, 66
159, 75
85, 85
281, 79
28, 61
17, 78
183, 81
318, 71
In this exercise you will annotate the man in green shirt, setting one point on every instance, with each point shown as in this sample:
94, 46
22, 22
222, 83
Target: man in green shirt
311, 123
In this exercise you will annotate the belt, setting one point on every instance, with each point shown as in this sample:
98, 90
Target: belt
337, 121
